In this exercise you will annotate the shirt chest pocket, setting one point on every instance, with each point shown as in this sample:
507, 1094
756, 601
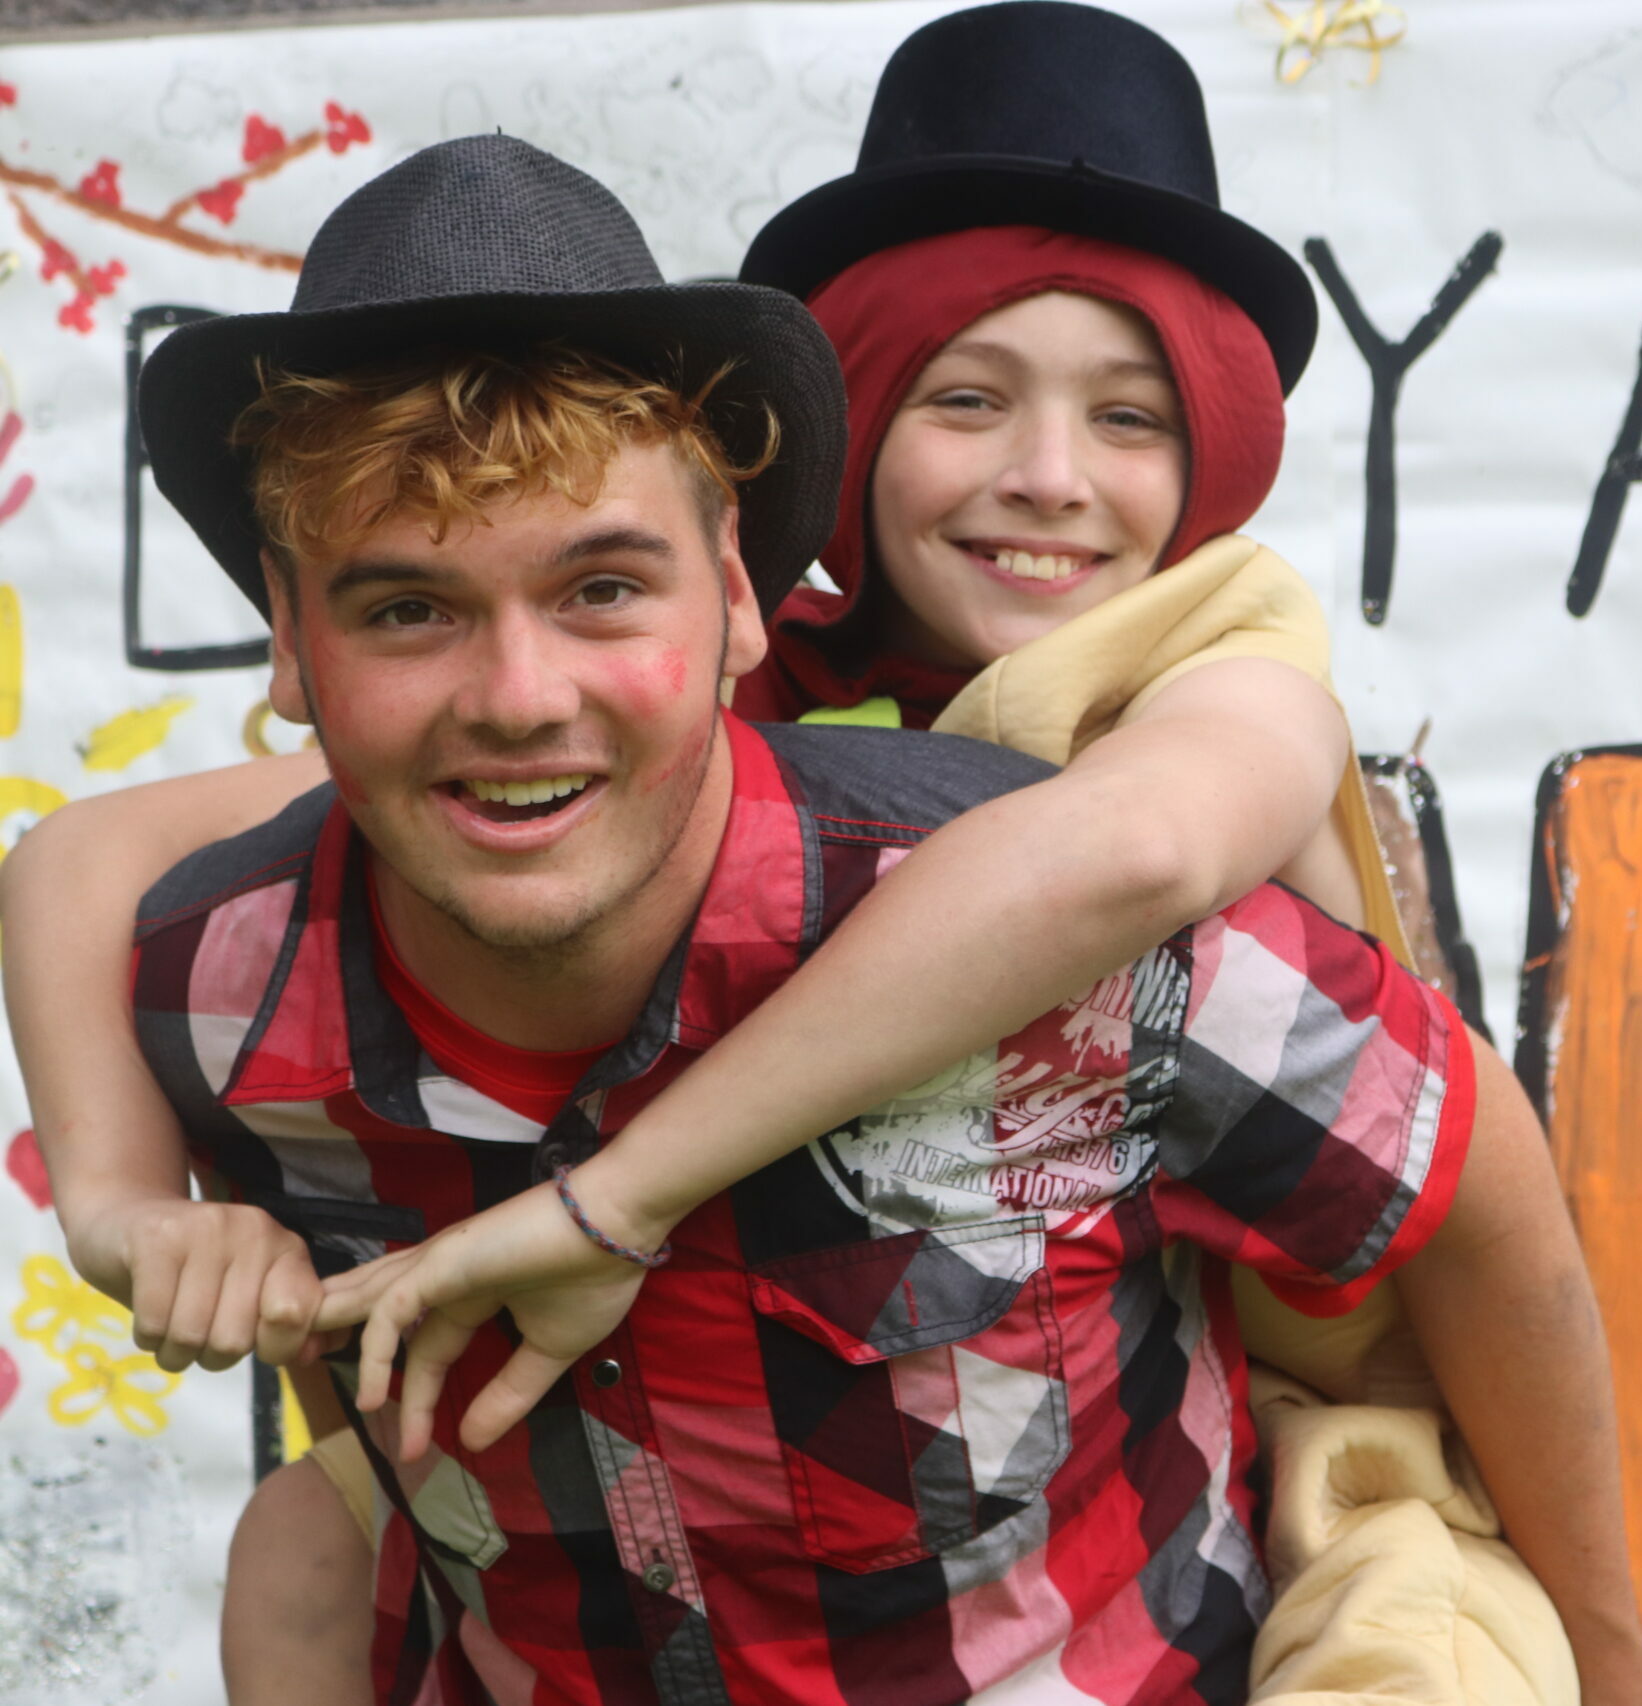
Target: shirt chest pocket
916, 1386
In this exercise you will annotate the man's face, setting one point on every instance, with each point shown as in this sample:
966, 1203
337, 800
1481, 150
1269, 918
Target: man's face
522, 719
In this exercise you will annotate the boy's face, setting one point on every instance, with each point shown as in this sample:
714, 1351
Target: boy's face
522, 718
1035, 467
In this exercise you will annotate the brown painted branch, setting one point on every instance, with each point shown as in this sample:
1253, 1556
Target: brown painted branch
37, 234
145, 225
264, 168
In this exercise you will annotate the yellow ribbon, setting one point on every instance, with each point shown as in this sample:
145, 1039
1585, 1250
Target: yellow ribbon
1319, 26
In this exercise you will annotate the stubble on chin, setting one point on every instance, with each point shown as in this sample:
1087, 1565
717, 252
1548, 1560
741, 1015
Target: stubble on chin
571, 935
525, 943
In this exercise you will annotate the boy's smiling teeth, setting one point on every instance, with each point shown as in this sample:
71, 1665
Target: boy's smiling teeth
535, 793
1024, 565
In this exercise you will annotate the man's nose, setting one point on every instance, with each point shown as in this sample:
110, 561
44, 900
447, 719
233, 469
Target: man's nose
1048, 466
521, 677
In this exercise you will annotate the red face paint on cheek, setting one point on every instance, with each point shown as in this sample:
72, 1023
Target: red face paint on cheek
347, 784
688, 757
329, 708
635, 683
647, 682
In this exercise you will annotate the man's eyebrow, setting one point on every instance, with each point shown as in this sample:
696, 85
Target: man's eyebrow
400, 572
611, 542
386, 572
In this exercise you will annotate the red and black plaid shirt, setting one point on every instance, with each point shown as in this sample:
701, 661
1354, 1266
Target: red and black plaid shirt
949, 1405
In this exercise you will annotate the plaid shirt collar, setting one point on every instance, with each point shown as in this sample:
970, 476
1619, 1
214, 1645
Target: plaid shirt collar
759, 916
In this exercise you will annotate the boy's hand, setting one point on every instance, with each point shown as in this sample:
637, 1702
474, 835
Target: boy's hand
526, 1255
206, 1283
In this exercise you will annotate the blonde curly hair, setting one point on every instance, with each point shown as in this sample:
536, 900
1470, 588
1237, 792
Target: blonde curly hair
446, 434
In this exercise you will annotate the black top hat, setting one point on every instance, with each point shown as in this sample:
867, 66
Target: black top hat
486, 243
1040, 112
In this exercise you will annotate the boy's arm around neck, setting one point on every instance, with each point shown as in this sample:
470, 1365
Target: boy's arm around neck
1001, 915
1504, 1310
112, 1146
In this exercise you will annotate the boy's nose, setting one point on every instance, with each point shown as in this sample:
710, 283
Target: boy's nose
519, 680
1047, 471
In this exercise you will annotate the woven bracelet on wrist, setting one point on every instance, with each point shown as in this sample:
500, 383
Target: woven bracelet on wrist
561, 1183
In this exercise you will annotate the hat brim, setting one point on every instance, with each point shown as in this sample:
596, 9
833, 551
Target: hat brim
842, 222
196, 383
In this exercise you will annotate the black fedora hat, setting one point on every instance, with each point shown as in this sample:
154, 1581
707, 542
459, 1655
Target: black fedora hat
489, 243
1041, 112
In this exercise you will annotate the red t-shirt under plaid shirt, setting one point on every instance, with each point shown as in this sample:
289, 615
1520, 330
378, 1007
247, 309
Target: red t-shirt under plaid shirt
949, 1405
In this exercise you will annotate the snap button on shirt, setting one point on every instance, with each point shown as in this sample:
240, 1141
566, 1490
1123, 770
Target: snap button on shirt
606, 1373
658, 1578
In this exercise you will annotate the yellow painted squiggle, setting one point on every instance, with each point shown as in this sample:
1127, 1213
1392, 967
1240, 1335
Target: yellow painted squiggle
131, 1386
66, 1318
125, 738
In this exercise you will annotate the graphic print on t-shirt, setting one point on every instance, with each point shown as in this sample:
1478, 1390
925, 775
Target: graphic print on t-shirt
1060, 1119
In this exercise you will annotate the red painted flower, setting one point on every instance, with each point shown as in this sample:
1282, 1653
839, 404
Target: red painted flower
75, 316
103, 184
261, 138
8, 95
8, 1379
25, 1166
342, 129
102, 280
221, 202
54, 258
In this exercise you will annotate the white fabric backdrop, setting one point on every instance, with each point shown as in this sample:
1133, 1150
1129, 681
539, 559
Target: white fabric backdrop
116, 1497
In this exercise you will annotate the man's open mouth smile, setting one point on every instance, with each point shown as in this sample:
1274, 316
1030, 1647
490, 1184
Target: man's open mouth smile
519, 802
504, 814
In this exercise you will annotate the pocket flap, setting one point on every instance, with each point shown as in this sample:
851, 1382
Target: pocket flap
886, 1296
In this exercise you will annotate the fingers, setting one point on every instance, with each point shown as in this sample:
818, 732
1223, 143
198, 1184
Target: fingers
350, 1297
318, 1345
382, 1296
290, 1298
154, 1282
517, 1387
231, 1328
201, 1277
436, 1344
391, 1296
196, 1307
395, 1311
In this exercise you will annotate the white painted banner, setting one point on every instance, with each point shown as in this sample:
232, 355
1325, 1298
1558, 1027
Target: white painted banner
189, 172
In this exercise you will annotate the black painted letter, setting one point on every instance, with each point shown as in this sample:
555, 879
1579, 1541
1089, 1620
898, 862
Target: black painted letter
1387, 363
1623, 468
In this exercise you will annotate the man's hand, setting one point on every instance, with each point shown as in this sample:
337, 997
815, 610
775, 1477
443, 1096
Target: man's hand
525, 1255
206, 1283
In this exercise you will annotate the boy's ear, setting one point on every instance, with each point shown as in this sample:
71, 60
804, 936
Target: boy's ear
745, 642
286, 692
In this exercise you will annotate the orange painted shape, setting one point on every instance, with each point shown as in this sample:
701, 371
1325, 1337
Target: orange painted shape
1594, 1060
